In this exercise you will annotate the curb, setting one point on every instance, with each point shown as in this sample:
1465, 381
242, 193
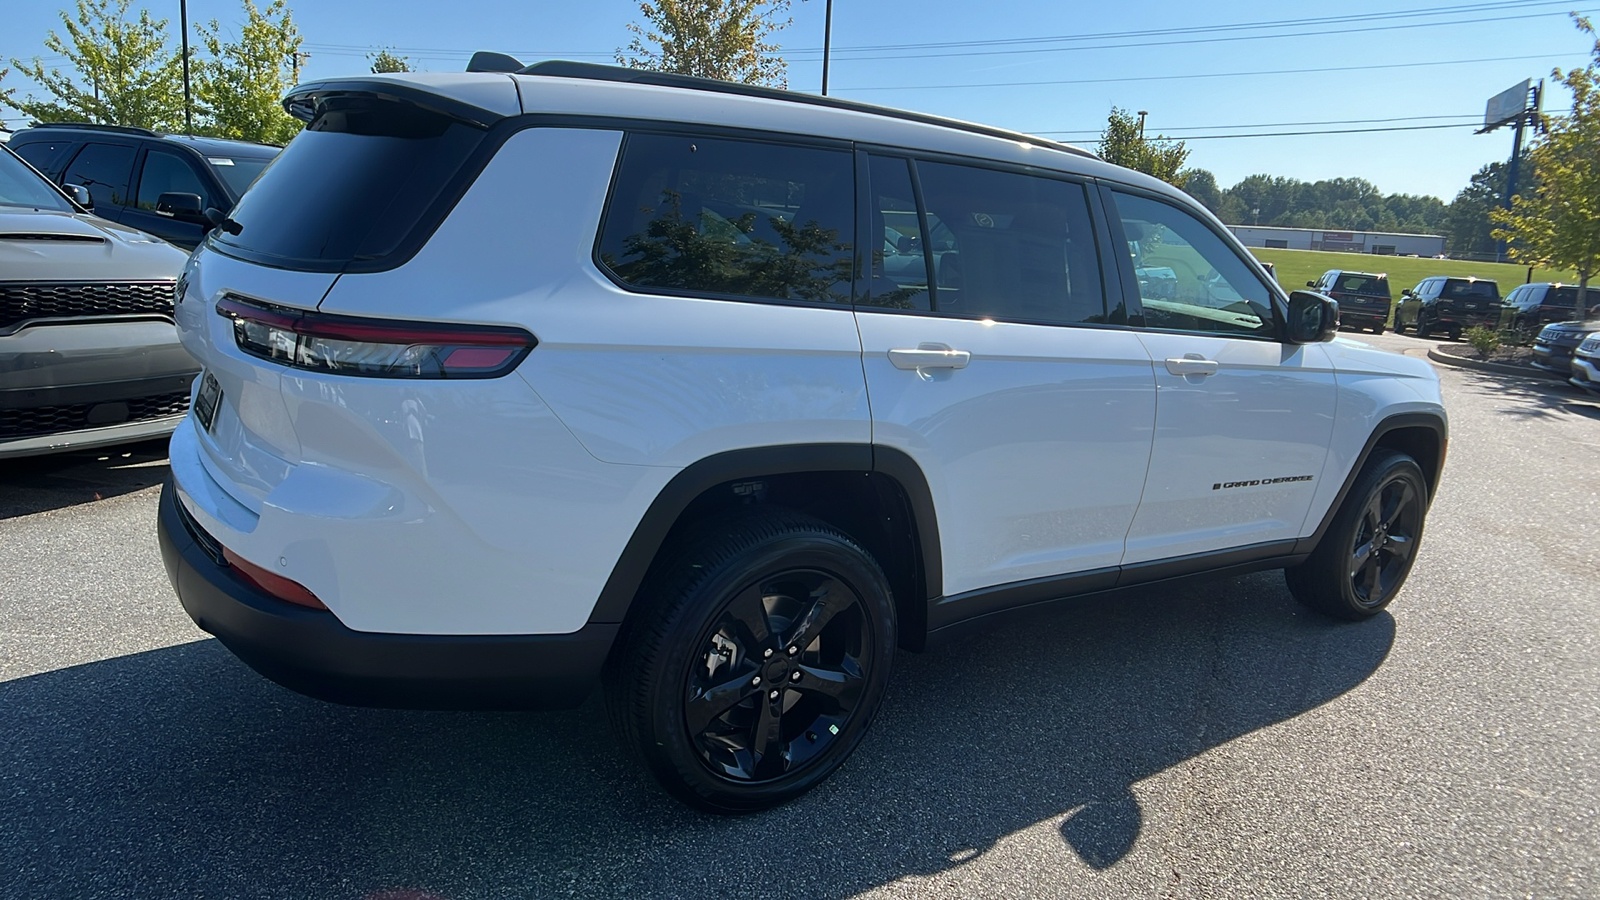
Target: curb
1481, 366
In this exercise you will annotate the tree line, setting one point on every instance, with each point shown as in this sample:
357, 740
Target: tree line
128, 70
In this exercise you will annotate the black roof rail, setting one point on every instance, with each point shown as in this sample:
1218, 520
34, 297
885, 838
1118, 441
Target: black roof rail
118, 129
560, 68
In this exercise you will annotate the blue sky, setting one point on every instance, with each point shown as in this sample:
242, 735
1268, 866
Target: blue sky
1057, 68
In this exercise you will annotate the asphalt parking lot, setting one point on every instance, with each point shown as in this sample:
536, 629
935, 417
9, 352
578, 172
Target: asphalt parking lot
1214, 741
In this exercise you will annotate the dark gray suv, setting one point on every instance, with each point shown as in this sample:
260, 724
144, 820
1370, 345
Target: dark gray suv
1451, 305
88, 352
160, 183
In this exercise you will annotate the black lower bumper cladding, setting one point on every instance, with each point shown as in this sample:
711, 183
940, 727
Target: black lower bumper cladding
312, 652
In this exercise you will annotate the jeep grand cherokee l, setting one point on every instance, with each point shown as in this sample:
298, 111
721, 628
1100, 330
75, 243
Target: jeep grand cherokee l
520, 382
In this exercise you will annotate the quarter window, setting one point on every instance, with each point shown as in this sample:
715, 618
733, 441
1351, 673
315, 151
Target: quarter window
729, 217
1189, 280
168, 173
1011, 246
104, 170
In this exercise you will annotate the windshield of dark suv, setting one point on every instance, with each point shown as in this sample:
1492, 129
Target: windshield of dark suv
1365, 285
20, 186
1470, 290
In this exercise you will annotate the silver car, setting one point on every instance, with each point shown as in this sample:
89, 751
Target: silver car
88, 352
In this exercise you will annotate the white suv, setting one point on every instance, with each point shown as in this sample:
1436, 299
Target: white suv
520, 382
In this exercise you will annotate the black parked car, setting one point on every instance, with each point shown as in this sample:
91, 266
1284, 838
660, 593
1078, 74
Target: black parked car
1536, 305
1553, 349
1363, 297
1451, 305
130, 172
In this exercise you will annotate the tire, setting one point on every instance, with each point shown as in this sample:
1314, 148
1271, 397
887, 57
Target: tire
1346, 577
712, 688
1455, 332
1380, 328
1422, 331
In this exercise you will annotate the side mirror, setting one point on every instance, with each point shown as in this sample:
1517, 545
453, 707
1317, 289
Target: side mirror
181, 206
1407, 293
80, 195
1312, 318
1311, 284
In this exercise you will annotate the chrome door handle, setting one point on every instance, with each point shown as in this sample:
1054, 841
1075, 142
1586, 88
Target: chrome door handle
1192, 364
930, 356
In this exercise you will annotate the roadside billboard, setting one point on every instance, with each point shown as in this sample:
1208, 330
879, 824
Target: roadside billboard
1507, 105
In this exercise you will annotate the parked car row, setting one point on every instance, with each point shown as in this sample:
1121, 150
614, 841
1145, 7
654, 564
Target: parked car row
91, 249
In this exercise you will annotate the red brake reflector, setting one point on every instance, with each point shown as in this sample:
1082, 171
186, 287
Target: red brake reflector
276, 585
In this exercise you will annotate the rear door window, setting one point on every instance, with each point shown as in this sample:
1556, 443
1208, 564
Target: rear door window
699, 215
1011, 246
104, 169
46, 156
1561, 296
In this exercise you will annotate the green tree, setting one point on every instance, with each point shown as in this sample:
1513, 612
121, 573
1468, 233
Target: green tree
723, 39
1558, 224
1467, 224
1122, 144
238, 86
384, 62
1202, 185
126, 75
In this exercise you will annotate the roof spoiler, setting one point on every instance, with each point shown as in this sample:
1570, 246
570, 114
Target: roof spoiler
489, 61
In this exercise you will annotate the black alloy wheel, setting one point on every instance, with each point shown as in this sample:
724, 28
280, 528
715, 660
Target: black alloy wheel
1361, 562
756, 657
784, 672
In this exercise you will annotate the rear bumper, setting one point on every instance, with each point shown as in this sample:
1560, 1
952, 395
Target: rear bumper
313, 653
90, 438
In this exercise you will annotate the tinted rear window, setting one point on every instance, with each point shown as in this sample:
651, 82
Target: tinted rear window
1366, 285
353, 185
1562, 296
1470, 290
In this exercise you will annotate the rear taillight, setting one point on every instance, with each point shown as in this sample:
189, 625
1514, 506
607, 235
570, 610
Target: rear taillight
354, 345
272, 583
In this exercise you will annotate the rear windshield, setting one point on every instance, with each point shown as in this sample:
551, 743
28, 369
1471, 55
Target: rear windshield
1562, 296
238, 171
353, 185
1470, 290
1369, 285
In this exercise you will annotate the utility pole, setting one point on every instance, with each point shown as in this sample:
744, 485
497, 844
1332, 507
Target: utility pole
1511, 171
827, 45
298, 57
188, 105
1142, 114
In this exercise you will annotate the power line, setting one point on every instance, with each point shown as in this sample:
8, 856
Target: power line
353, 49
1193, 75
1471, 116
1213, 40
1212, 137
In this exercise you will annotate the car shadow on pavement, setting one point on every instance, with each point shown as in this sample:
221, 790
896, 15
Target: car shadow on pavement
34, 484
1530, 398
179, 772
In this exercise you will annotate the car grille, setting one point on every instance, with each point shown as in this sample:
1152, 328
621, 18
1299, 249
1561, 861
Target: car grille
19, 423
1592, 345
33, 300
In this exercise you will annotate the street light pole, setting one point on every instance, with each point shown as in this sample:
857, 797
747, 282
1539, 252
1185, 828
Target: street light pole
1142, 114
827, 45
188, 106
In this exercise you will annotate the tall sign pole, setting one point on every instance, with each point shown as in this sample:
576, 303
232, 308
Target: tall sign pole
827, 45
188, 106
1512, 106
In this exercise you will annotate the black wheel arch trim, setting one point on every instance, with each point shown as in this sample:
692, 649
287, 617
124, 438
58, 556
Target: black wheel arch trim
1432, 421
757, 462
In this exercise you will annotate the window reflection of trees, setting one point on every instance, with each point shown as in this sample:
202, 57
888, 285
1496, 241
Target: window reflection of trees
702, 250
